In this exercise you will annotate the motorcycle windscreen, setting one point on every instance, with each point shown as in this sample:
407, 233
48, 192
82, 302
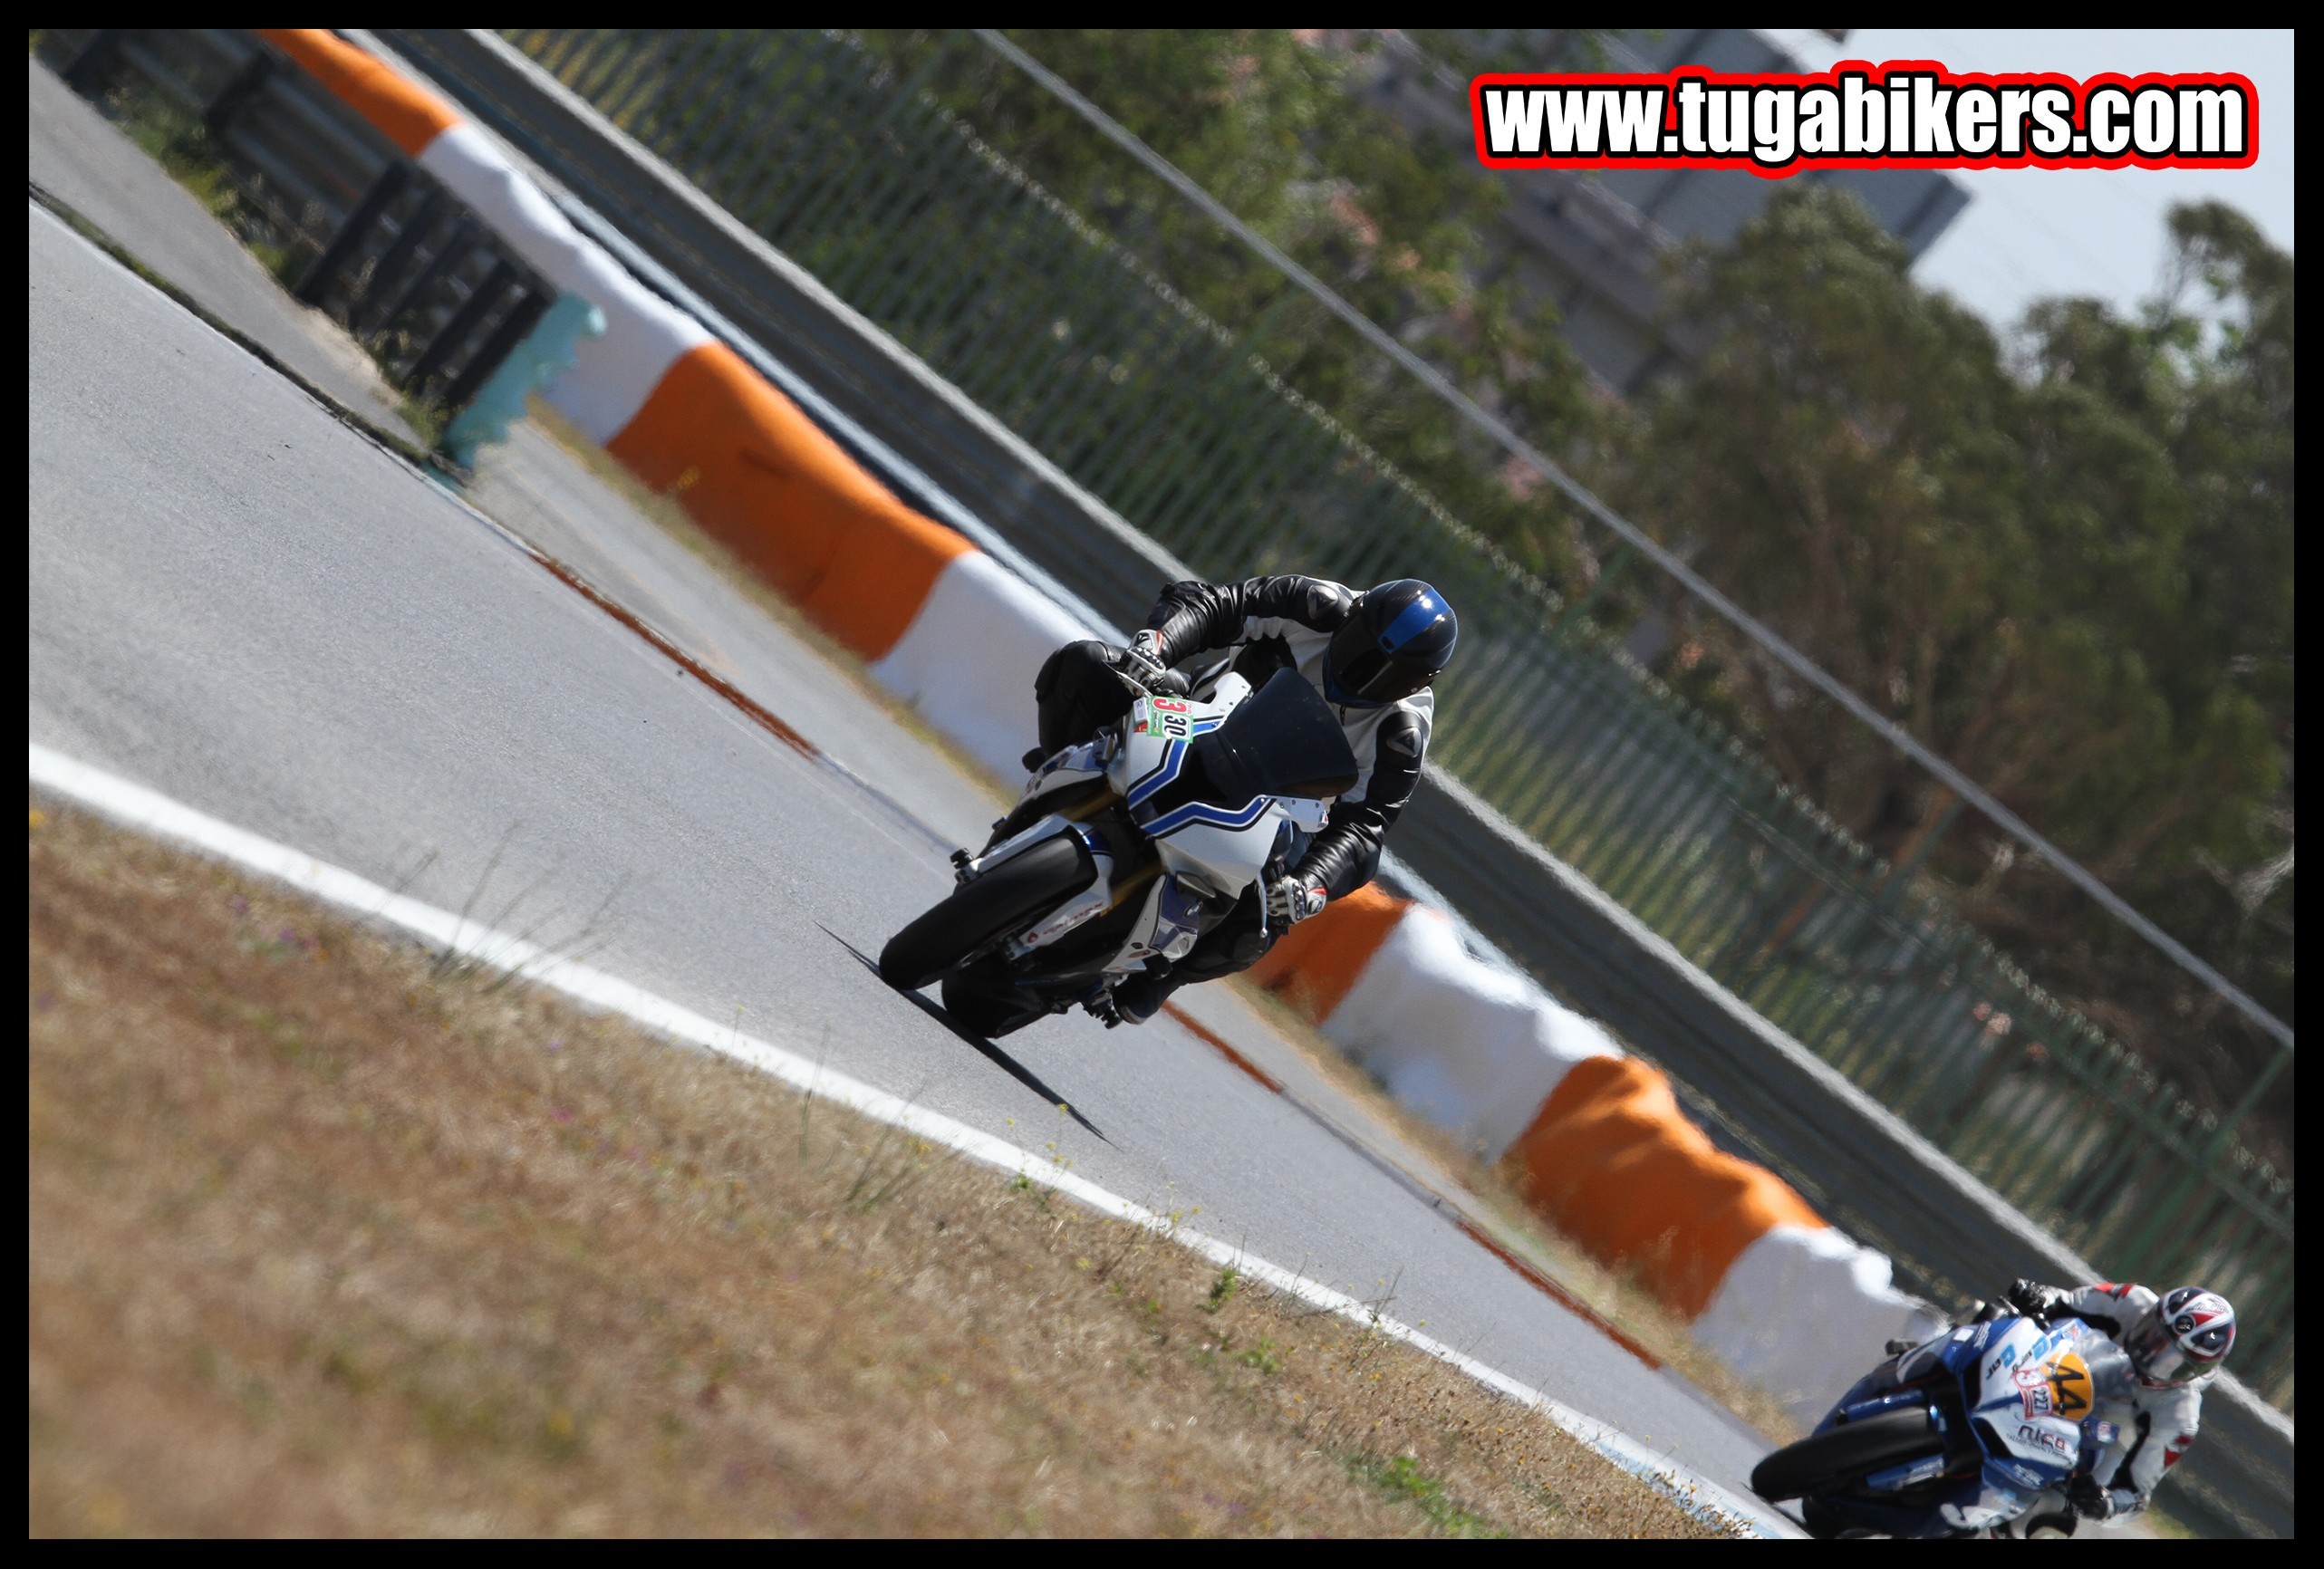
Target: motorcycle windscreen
1281, 740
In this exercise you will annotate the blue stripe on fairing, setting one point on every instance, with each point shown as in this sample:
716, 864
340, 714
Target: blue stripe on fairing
1417, 618
1194, 812
1174, 759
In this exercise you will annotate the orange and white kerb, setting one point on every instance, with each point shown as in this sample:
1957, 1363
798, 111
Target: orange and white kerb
1910, 113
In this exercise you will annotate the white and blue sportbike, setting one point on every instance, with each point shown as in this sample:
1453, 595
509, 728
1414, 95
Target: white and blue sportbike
1123, 852
1976, 1433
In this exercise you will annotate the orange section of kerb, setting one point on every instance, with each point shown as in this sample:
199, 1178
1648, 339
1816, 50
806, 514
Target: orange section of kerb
764, 482
406, 113
1615, 1164
1315, 963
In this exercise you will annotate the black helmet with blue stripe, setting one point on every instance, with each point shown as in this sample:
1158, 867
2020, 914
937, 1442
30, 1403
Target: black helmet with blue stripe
1395, 640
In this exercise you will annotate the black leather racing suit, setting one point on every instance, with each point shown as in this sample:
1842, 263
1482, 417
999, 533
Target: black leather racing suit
1271, 622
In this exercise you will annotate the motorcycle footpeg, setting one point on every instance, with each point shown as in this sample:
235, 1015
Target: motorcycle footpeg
1101, 1007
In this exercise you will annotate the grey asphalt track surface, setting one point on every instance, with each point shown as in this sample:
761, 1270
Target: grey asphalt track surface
79, 157
238, 600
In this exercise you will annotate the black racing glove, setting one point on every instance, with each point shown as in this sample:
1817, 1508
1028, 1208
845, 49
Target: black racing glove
2094, 1502
1292, 899
2035, 1300
1143, 657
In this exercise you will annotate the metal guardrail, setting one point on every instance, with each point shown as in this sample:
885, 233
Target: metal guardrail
388, 252
1164, 416
1764, 1091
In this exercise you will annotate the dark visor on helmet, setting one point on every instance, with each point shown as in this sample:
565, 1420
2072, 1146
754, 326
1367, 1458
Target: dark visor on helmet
1371, 676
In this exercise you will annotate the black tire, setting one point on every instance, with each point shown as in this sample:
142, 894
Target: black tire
994, 905
1826, 1527
1826, 1460
2056, 1525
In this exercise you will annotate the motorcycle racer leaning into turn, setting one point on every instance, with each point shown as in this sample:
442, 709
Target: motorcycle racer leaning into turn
2176, 1343
1372, 655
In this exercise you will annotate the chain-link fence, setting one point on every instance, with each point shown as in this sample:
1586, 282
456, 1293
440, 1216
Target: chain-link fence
842, 158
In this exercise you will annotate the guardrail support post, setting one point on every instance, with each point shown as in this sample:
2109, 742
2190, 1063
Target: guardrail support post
350, 237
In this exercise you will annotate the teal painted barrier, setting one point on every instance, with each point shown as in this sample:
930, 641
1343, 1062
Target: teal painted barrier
548, 352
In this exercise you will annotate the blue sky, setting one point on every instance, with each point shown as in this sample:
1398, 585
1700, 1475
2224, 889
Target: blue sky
2027, 234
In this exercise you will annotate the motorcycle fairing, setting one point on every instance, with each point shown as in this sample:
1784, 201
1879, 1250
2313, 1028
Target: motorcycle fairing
1195, 812
1246, 774
1981, 1361
1281, 740
1217, 849
1080, 909
1073, 765
1166, 928
1164, 772
2042, 1389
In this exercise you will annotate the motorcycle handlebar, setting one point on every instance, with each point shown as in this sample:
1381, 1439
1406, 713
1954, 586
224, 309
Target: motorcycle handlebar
1168, 684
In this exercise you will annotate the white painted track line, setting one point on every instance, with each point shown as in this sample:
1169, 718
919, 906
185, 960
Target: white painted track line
135, 806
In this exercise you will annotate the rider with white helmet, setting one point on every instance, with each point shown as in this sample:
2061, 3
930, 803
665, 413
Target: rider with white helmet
2176, 1342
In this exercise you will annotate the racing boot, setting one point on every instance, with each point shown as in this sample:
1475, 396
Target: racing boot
1139, 998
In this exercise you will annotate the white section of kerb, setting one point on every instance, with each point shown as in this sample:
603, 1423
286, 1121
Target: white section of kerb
136, 806
613, 375
1473, 1049
1804, 1312
1951, 1183
1170, 569
968, 660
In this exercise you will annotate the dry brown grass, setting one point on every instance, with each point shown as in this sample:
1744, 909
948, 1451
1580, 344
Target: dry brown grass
323, 1240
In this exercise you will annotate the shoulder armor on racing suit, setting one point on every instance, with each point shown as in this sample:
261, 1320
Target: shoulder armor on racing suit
1389, 742
2105, 1306
1193, 617
2168, 1416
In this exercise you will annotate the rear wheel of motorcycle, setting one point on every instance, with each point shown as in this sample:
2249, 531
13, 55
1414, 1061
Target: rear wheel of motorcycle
1005, 897
1826, 1525
2054, 1526
1824, 1461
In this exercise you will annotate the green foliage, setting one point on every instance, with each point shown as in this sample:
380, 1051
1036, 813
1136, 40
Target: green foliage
1474, 51
1272, 123
1265, 1357
2066, 567
426, 419
175, 138
1401, 1479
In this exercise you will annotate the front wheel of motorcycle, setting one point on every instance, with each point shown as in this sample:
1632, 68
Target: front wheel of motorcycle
1822, 1461
980, 913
